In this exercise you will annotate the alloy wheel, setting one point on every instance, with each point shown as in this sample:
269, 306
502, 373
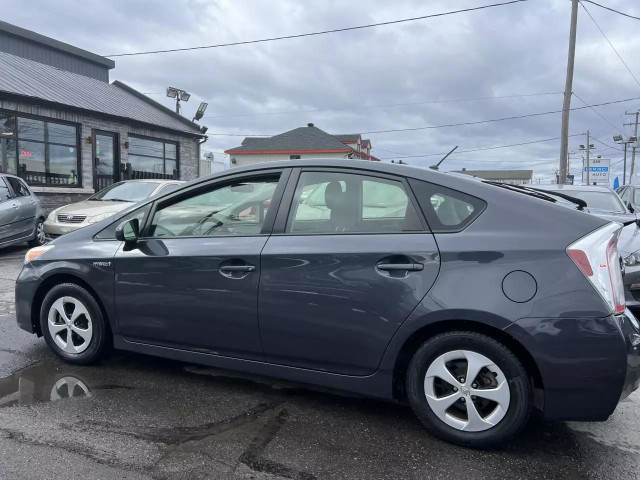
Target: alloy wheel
70, 325
40, 235
467, 391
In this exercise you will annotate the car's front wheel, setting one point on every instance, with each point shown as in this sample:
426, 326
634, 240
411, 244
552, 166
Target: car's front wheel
73, 325
469, 389
39, 237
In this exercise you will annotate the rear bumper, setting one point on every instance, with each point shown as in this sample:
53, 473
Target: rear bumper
26, 286
587, 365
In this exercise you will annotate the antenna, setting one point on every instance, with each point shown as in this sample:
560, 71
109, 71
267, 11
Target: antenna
435, 167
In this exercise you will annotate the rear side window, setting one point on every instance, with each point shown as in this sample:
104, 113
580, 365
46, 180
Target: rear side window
4, 191
446, 210
335, 203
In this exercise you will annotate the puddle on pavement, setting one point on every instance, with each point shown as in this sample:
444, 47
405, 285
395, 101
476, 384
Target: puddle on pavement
46, 382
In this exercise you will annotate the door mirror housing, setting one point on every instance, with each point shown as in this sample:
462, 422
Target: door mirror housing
128, 231
630, 207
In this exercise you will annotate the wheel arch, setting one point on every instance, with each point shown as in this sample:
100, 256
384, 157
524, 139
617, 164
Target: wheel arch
422, 334
58, 279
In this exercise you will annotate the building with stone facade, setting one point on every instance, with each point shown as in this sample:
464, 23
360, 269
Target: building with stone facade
68, 132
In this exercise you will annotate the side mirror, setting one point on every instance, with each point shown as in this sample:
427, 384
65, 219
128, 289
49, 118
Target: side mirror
128, 231
630, 207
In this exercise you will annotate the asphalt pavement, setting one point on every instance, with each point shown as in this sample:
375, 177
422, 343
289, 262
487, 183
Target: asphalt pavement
140, 417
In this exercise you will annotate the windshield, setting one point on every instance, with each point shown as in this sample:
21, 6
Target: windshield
126, 192
608, 201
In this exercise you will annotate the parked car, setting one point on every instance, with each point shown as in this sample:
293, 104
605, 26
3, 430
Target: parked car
474, 308
21, 217
630, 195
605, 203
104, 204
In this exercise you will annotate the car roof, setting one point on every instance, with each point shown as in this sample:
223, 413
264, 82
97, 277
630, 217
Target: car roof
575, 188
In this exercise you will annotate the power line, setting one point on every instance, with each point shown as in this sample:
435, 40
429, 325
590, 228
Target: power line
596, 112
607, 145
383, 105
323, 32
492, 120
481, 149
612, 10
610, 44
430, 127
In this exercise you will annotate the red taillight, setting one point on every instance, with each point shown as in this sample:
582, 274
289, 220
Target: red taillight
581, 261
596, 255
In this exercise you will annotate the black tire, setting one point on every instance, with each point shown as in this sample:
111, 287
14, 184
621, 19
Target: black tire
520, 403
99, 342
38, 239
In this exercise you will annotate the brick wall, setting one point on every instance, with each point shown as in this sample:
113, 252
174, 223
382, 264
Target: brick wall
56, 196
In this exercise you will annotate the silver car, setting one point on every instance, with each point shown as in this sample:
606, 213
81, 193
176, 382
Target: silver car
21, 217
106, 202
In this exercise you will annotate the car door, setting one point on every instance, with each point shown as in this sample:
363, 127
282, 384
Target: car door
191, 281
349, 259
27, 205
9, 214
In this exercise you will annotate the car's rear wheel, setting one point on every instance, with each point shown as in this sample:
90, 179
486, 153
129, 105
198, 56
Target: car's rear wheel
469, 389
39, 237
73, 325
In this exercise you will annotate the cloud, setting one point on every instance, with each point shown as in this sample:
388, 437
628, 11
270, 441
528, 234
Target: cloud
507, 50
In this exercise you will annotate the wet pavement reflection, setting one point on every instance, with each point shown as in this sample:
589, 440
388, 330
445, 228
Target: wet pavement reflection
168, 419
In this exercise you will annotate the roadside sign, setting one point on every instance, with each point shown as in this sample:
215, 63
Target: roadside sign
598, 171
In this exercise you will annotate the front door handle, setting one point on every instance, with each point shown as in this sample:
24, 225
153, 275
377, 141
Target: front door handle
15, 205
408, 267
238, 268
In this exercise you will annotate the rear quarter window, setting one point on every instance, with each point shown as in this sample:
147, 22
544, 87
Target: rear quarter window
446, 210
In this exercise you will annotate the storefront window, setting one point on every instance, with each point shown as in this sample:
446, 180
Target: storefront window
41, 152
152, 158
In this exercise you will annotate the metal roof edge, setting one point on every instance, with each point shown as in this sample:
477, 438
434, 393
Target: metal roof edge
55, 44
87, 111
155, 104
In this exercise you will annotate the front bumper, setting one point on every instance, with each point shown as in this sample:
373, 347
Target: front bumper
632, 288
53, 229
26, 287
630, 327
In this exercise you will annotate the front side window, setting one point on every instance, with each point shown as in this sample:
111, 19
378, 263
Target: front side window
235, 208
328, 202
157, 157
18, 186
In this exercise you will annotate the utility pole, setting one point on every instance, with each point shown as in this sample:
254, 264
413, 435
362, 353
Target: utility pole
588, 162
568, 87
633, 148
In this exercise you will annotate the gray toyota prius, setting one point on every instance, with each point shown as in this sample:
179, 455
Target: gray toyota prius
472, 302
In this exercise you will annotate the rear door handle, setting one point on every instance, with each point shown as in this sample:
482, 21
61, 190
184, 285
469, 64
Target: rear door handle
16, 205
238, 268
409, 267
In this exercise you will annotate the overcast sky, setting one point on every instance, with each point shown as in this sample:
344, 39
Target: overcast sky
509, 50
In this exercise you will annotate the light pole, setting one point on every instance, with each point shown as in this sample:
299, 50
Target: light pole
587, 149
178, 94
620, 140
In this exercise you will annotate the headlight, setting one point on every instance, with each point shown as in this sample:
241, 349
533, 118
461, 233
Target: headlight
36, 252
632, 259
102, 216
52, 216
